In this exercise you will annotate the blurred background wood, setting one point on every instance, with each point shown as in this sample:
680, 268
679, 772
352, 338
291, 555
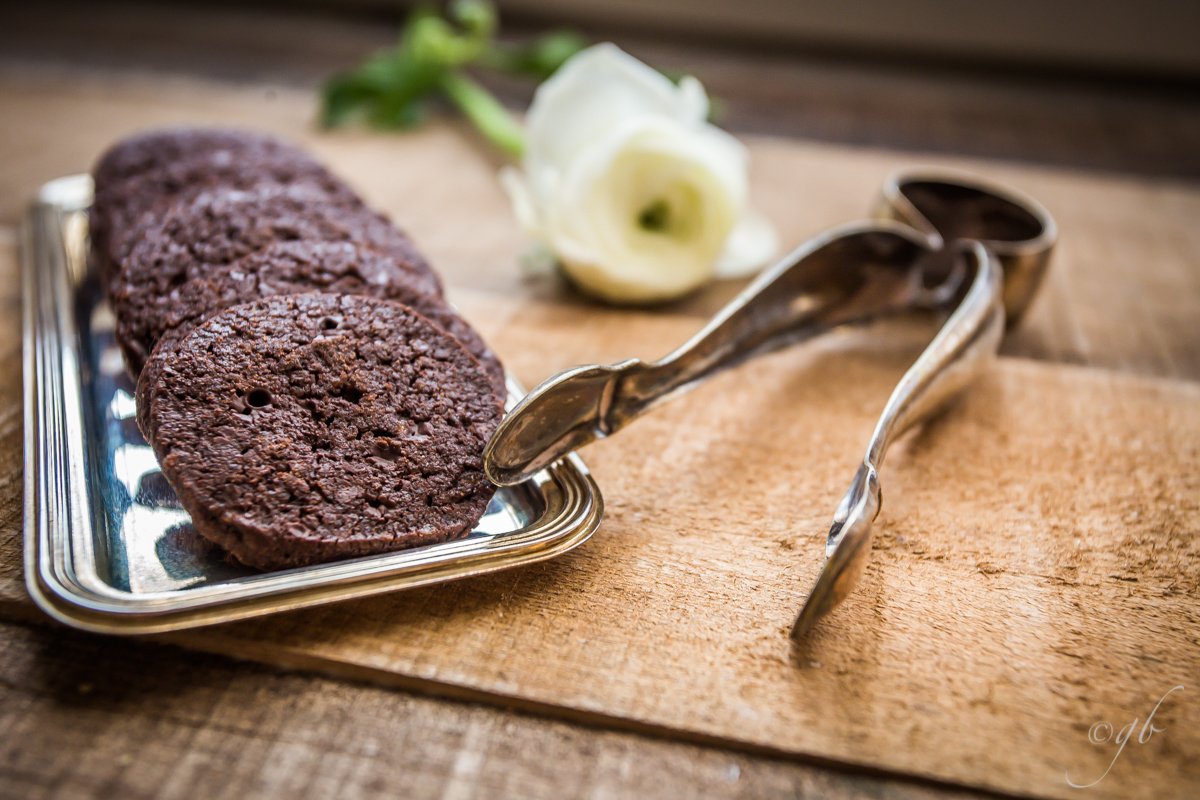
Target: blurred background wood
1125, 121
1150, 37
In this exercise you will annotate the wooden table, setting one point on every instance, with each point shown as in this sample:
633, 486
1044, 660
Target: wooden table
90, 716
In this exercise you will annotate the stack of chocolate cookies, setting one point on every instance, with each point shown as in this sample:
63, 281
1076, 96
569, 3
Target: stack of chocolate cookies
308, 391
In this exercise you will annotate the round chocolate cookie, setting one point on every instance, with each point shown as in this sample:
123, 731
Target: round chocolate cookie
141, 176
159, 311
227, 246
307, 428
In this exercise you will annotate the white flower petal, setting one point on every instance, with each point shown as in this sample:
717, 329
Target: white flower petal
751, 245
668, 148
638, 197
693, 100
693, 178
524, 206
597, 90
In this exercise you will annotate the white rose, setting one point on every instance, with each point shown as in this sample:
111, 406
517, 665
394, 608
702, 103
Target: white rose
624, 181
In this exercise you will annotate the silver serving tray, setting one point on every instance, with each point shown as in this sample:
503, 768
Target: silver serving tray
107, 546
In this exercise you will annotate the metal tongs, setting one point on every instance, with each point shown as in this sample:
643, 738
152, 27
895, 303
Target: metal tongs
939, 242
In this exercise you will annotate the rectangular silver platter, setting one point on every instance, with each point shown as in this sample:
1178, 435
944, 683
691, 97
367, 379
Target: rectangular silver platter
107, 546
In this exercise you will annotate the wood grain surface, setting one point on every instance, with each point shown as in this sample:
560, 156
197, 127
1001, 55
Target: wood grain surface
190, 725
1050, 521
1037, 562
12, 592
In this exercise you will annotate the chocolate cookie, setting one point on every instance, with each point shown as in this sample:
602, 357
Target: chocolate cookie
226, 246
307, 428
158, 311
141, 176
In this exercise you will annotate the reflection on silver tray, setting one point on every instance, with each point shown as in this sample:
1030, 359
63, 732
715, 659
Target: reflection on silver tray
107, 546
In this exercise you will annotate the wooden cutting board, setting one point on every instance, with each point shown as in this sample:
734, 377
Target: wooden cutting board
1036, 566
1035, 572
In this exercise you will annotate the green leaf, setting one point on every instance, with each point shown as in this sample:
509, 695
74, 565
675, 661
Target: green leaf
539, 58
476, 17
391, 87
460, 40
385, 90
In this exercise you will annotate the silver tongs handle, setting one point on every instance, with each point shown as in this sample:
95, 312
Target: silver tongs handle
852, 274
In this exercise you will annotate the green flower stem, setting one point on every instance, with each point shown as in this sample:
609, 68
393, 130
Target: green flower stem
485, 112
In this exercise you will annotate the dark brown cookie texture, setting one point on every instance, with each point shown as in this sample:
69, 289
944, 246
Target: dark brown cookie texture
226, 246
438, 311
140, 177
159, 311
308, 428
